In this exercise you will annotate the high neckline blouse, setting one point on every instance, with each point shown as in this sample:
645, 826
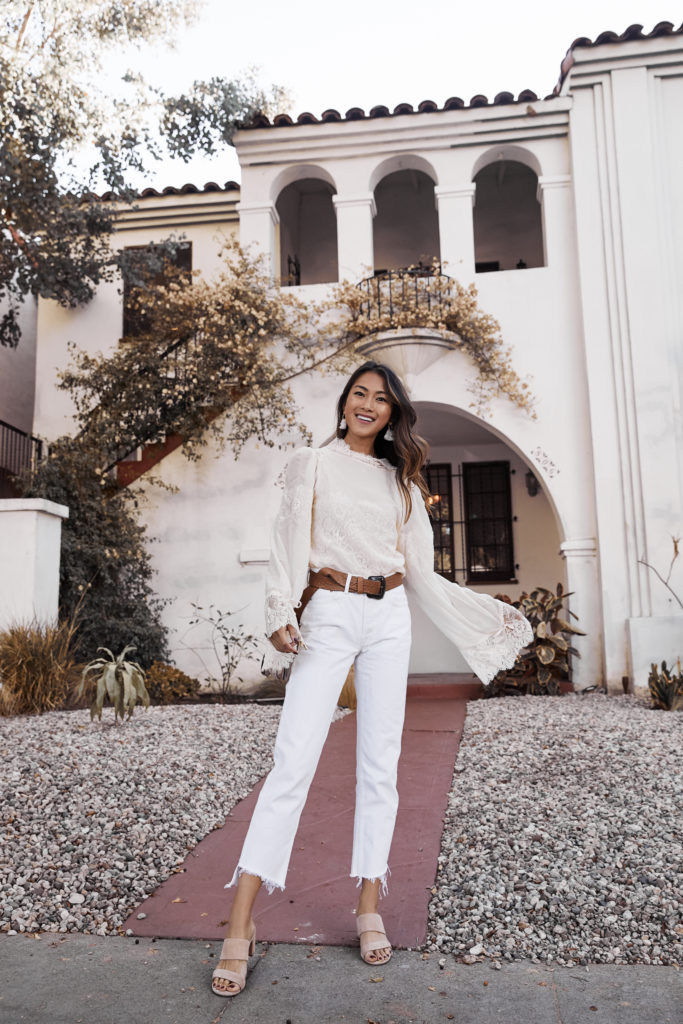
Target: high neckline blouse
339, 445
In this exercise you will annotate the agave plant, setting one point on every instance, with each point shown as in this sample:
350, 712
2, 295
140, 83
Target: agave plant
120, 680
666, 688
547, 660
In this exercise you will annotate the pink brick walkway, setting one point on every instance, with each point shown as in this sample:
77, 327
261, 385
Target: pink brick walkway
319, 900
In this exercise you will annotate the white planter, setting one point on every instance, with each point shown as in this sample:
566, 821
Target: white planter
30, 540
654, 639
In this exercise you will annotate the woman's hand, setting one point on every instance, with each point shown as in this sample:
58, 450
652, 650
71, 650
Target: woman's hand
286, 639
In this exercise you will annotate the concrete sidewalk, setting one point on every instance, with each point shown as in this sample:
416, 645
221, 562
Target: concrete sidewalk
83, 979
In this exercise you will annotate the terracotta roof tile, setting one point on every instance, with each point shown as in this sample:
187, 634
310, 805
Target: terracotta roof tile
663, 28
454, 103
171, 190
633, 32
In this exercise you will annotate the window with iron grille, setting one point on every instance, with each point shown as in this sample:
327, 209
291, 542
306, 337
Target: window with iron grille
439, 480
488, 521
135, 321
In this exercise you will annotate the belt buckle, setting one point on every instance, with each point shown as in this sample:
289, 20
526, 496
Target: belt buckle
382, 588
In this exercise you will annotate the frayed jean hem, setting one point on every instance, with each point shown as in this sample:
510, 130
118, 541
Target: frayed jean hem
270, 885
382, 879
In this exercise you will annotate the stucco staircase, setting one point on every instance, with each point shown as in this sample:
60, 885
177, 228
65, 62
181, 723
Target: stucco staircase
146, 457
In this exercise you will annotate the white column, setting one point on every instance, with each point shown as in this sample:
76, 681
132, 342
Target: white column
554, 195
580, 554
355, 245
257, 229
456, 230
30, 542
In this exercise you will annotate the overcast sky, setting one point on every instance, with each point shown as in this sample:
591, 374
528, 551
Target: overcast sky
363, 53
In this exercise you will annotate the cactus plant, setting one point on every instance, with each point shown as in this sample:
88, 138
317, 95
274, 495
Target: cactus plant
120, 680
666, 688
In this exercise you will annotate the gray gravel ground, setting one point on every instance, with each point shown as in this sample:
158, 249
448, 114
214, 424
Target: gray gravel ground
563, 839
93, 816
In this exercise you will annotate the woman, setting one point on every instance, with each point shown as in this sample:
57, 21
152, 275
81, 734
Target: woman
352, 526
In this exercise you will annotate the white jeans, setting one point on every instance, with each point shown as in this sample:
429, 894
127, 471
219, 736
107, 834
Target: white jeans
338, 628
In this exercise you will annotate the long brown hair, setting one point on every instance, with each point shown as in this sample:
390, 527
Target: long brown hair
407, 451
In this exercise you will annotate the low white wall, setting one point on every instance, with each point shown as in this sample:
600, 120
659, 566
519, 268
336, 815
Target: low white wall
30, 539
653, 640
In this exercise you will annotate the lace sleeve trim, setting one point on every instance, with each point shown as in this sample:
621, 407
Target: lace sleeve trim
500, 649
279, 612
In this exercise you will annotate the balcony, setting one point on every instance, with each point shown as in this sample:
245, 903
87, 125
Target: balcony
401, 300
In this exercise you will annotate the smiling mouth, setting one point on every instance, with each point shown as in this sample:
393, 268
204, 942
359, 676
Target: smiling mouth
364, 419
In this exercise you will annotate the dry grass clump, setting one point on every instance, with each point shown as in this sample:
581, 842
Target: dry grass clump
37, 663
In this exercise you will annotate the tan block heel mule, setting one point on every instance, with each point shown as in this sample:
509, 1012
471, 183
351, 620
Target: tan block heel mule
371, 923
234, 949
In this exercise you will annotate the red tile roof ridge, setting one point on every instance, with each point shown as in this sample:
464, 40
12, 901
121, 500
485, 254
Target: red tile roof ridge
260, 120
172, 190
633, 32
662, 28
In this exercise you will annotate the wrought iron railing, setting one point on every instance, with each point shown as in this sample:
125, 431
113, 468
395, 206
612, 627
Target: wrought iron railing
18, 451
417, 286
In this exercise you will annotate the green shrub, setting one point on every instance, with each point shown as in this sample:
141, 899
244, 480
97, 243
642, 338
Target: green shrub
166, 684
666, 688
546, 661
36, 667
105, 566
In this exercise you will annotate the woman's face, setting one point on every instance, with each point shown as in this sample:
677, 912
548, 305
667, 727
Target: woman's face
368, 406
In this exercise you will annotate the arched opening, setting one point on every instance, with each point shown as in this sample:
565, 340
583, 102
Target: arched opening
406, 227
308, 233
495, 529
508, 231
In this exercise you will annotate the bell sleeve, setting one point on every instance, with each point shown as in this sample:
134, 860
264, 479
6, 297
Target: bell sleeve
488, 633
287, 570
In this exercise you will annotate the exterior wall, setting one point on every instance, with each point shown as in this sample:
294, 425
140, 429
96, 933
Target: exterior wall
18, 374
627, 162
206, 222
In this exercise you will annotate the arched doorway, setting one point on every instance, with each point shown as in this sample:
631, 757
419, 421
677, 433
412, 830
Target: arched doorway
406, 227
308, 233
495, 530
508, 231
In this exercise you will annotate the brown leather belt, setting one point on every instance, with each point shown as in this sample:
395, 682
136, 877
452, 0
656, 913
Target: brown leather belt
332, 579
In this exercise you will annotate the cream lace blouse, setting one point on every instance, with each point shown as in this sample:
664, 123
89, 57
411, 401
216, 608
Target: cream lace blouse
343, 509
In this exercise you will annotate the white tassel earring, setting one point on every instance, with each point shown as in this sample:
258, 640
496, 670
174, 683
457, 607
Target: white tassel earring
342, 423
389, 434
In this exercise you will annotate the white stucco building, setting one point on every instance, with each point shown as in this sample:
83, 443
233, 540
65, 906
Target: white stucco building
567, 213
